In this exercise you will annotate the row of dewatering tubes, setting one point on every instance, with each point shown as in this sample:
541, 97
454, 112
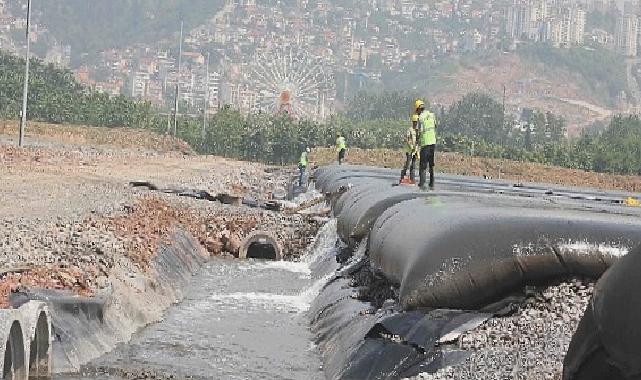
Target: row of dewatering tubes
472, 242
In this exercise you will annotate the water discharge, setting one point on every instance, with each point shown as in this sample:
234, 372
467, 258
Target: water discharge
238, 320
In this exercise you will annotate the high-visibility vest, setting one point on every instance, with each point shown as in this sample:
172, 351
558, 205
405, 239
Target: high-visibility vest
410, 140
340, 144
303, 159
426, 128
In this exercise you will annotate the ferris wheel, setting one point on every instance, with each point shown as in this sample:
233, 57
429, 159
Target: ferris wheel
290, 80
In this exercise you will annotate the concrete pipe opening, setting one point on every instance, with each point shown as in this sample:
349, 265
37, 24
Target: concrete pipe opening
260, 246
14, 360
39, 353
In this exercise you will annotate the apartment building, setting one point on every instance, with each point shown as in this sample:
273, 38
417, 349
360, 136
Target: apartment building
627, 35
542, 21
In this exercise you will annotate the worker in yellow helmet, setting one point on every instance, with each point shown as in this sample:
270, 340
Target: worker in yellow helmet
411, 149
302, 165
426, 130
341, 146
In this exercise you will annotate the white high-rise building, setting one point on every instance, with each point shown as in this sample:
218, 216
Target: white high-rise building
626, 35
578, 20
544, 20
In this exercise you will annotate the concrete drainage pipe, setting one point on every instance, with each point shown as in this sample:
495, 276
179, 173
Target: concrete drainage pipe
26, 333
14, 354
40, 348
260, 245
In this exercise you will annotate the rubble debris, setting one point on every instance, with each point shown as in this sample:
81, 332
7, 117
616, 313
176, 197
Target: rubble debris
528, 345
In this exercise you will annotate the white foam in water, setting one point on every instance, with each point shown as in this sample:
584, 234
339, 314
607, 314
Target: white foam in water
323, 242
323, 248
289, 266
299, 302
584, 247
266, 300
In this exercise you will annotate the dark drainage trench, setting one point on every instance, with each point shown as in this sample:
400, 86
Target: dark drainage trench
261, 250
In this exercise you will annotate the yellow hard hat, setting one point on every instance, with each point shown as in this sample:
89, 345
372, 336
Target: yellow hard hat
414, 117
418, 103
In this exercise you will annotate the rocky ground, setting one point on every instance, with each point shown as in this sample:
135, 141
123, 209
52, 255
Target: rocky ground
528, 345
68, 216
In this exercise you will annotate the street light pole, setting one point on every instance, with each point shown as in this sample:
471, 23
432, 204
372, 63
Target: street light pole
180, 59
25, 91
504, 140
206, 97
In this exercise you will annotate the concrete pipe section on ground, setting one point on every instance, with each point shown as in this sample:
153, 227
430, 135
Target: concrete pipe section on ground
26, 333
465, 246
260, 245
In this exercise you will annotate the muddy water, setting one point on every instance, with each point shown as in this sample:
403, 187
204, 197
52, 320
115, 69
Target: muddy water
239, 320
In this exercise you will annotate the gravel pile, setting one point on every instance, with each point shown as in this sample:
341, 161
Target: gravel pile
528, 345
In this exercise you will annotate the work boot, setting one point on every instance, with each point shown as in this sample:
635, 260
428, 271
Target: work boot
421, 182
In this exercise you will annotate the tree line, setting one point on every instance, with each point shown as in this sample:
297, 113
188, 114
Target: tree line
475, 124
56, 97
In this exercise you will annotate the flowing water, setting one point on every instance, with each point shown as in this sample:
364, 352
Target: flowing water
238, 320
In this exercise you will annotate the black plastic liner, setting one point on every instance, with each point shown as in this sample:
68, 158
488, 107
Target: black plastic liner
607, 344
360, 342
86, 327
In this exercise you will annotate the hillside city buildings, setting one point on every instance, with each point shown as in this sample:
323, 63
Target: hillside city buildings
628, 29
349, 46
563, 25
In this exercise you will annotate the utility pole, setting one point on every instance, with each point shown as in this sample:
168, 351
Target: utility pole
25, 91
206, 97
503, 138
503, 119
180, 60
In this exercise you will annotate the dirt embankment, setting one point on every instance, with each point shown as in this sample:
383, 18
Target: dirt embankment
69, 220
519, 172
124, 138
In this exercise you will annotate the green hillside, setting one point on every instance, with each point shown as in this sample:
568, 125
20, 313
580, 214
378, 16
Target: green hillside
94, 25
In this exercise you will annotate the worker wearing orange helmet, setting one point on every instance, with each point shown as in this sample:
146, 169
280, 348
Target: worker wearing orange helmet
426, 131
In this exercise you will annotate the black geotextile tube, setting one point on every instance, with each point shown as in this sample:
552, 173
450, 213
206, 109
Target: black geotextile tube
360, 210
449, 253
607, 344
328, 176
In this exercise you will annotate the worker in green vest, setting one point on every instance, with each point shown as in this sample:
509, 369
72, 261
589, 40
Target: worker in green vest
426, 130
411, 149
341, 146
302, 165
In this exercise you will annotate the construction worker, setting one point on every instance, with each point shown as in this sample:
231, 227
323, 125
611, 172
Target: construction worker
411, 149
302, 165
341, 145
426, 130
